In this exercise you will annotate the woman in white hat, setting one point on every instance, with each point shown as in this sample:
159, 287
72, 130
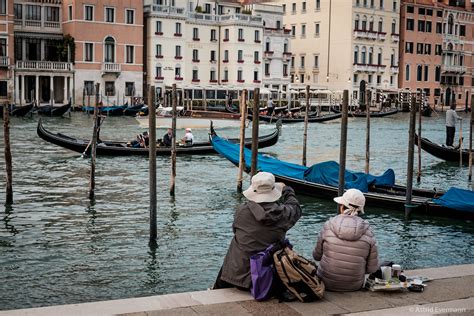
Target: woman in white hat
346, 246
272, 209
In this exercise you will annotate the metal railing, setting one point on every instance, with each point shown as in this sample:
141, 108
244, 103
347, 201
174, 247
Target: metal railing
453, 68
44, 65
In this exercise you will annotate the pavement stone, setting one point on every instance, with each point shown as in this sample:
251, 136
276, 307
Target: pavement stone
224, 309
272, 307
322, 307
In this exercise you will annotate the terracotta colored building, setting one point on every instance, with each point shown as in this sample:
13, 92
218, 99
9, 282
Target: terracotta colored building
436, 49
6, 47
108, 36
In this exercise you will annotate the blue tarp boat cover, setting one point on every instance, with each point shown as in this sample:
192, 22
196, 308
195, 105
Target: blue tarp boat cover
326, 173
458, 199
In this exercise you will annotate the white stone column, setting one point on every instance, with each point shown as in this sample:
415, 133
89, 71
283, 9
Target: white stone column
37, 89
23, 49
51, 87
17, 90
65, 90
23, 90
43, 50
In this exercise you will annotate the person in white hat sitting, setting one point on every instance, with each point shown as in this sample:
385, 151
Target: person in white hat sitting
346, 247
272, 209
188, 138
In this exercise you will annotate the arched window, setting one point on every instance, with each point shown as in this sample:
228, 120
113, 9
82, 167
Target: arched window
419, 70
363, 56
371, 23
177, 71
356, 54
212, 74
371, 53
285, 46
450, 24
109, 54
407, 72
267, 45
392, 59
394, 27
364, 23
380, 25
379, 57
356, 22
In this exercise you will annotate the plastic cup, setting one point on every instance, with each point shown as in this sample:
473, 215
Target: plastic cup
386, 272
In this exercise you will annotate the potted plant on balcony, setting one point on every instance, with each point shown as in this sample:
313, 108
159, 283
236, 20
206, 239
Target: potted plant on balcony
198, 9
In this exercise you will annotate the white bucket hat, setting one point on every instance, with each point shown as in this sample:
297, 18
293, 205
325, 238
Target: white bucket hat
263, 188
187, 130
353, 199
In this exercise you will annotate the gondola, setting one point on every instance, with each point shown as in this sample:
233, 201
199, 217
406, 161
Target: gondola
116, 110
19, 111
49, 110
110, 148
443, 152
426, 111
133, 110
393, 196
289, 120
372, 114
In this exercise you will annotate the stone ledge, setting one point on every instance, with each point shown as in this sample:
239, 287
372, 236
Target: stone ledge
451, 284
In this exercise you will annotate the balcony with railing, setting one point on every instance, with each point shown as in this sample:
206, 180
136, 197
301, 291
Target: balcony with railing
54, 66
395, 37
365, 68
394, 69
4, 61
381, 36
113, 68
278, 32
38, 25
453, 68
268, 54
365, 34
164, 10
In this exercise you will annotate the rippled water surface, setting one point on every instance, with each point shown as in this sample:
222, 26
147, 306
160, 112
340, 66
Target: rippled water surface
56, 248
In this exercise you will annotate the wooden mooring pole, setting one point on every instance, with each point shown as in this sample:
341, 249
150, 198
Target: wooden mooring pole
420, 106
173, 143
152, 161
411, 149
255, 122
343, 144
367, 135
305, 133
470, 137
94, 142
243, 117
8, 153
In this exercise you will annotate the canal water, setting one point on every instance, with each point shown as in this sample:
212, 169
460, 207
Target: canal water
57, 248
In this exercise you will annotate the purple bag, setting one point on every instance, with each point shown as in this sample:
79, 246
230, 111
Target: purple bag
261, 270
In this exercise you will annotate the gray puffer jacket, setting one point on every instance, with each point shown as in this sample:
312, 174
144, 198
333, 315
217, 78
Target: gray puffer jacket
256, 226
347, 250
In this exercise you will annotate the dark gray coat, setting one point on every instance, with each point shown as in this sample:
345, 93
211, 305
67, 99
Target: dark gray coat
256, 226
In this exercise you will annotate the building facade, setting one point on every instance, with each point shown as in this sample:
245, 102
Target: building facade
436, 50
6, 48
108, 39
211, 47
43, 69
339, 44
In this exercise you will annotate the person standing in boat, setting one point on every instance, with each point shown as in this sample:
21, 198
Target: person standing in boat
168, 138
270, 107
188, 138
272, 209
451, 117
346, 248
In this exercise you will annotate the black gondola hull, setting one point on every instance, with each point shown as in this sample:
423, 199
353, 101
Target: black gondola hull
442, 152
107, 148
287, 120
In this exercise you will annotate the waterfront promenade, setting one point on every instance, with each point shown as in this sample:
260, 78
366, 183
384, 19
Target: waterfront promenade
449, 293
